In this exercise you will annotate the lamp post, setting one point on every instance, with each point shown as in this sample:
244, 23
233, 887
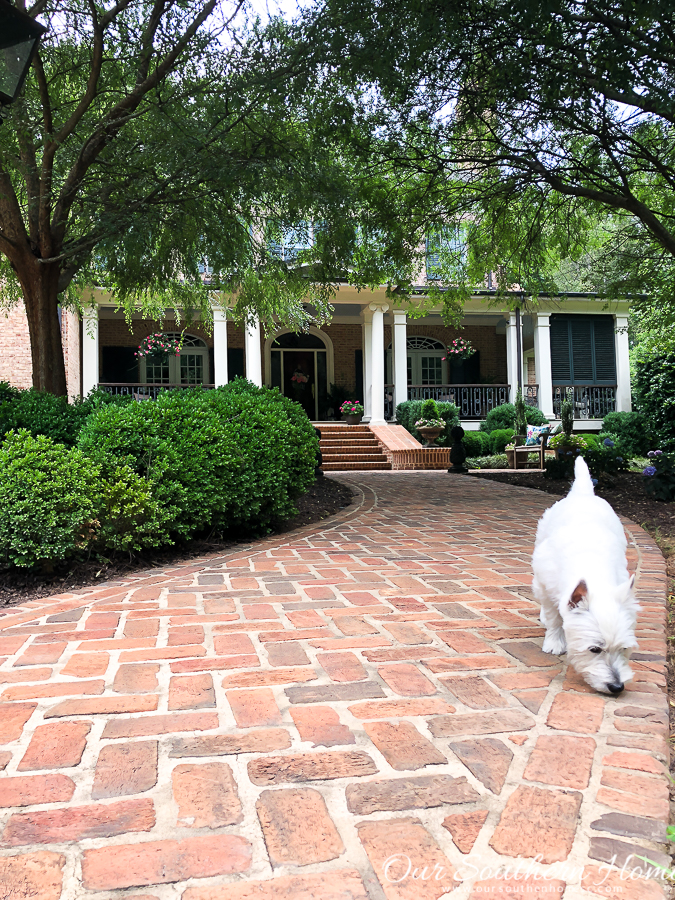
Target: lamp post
19, 37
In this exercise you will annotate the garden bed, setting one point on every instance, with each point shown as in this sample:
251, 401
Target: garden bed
324, 498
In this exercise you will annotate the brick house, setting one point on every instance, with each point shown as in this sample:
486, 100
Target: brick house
568, 345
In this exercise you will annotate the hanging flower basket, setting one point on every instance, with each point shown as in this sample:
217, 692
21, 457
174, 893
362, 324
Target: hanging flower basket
459, 349
159, 347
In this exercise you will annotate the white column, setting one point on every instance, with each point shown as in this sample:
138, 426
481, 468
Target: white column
366, 329
623, 400
89, 350
542, 362
399, 365
512, 355
219, 373
377, 363
252, 351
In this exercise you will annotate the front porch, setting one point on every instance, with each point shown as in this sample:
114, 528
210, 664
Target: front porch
384, 357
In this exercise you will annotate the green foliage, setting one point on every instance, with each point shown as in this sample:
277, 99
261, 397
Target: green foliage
654, 390
129, 516
567, 416
631, 430
504, 416
604, 460
559, 468
498, 461
476, 443
429, 409
500, 438
230, 458
40, 412
659, 476
568, 443
520, 420
47, 501
411, 411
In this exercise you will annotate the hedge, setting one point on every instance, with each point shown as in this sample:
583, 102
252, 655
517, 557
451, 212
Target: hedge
146, 474
411, 411
504, 416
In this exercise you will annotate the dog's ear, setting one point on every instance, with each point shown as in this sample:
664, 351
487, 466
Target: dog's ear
579, 594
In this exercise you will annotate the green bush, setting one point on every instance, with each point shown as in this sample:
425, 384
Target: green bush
631, 430
559, 468
654, 392
504, 416
500, 438
411, 411
47, 501
39, 412
129, 516
237, 456
567, 416
429, 409
520, 421
498, 461
476, 443
660, 476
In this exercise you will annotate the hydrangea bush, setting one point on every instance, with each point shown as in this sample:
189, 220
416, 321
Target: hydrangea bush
660, 476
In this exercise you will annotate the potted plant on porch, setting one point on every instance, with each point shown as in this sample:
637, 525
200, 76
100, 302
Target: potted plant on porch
352, 411
430, 425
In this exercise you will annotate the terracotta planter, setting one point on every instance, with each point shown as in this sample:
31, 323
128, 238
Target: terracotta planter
353, 420
430, 435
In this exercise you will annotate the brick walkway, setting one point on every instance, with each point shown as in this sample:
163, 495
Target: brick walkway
359, 711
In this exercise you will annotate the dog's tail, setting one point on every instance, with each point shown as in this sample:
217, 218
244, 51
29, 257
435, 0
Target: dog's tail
582, 478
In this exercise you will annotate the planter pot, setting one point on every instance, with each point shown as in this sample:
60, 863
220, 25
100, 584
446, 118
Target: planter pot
353, 420
430, 435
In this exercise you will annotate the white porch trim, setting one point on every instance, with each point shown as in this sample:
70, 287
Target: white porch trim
90, 365
219, 347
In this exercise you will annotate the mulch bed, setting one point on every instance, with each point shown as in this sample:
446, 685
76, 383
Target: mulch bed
325, 498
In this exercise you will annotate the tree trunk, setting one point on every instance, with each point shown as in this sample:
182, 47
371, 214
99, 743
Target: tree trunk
40, 292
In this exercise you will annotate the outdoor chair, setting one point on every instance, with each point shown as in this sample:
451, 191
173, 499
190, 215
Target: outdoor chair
521, 452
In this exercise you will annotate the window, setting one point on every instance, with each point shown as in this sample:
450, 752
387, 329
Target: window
582, 350
445, 249
289, 242
190, 367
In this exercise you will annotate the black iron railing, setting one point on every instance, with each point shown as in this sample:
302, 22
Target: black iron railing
146, 391
590, 401
474, 400
531, 394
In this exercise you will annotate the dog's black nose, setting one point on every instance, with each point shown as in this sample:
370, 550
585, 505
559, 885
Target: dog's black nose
616, 687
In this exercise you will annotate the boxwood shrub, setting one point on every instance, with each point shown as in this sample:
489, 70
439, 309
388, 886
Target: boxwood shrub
235, 457
411, 411
504, 416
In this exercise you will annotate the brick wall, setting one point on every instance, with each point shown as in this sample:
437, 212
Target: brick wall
15, 360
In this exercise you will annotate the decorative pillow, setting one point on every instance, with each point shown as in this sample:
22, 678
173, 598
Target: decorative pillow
535, 433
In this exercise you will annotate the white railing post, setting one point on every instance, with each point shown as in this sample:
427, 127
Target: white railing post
377, 363
89, 349
399, 367
623, 397
252, 352
542, 362
220, 375
366, 329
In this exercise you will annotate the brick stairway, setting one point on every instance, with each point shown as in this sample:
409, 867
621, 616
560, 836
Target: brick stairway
350, 447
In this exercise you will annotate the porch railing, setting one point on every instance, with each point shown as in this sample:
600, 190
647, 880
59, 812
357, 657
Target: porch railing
146, 391
590, 401
474, 400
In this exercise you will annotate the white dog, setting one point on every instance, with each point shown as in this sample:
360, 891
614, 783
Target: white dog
581, 580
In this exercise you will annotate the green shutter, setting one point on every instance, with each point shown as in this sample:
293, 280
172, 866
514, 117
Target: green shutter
561, 369
605, 352
581, 328
582, 349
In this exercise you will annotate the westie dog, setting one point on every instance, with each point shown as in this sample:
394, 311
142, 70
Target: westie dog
581, 580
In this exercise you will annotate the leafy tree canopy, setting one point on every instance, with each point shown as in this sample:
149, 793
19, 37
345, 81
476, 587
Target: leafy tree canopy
547, 128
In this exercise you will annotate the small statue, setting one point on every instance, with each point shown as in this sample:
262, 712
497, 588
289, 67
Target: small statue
457, 451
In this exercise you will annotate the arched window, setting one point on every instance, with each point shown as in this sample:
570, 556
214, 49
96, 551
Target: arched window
190, 367
425, 361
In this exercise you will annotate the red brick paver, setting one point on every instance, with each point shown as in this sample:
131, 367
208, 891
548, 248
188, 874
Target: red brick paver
357, 711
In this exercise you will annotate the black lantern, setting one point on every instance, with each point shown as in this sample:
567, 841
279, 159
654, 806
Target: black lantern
19, 36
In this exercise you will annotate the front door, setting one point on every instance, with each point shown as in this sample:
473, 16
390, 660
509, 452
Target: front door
299, 370
300, 379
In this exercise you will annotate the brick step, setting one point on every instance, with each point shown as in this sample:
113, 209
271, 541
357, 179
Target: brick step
361, 466
345, 429
354, 442
355, 457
